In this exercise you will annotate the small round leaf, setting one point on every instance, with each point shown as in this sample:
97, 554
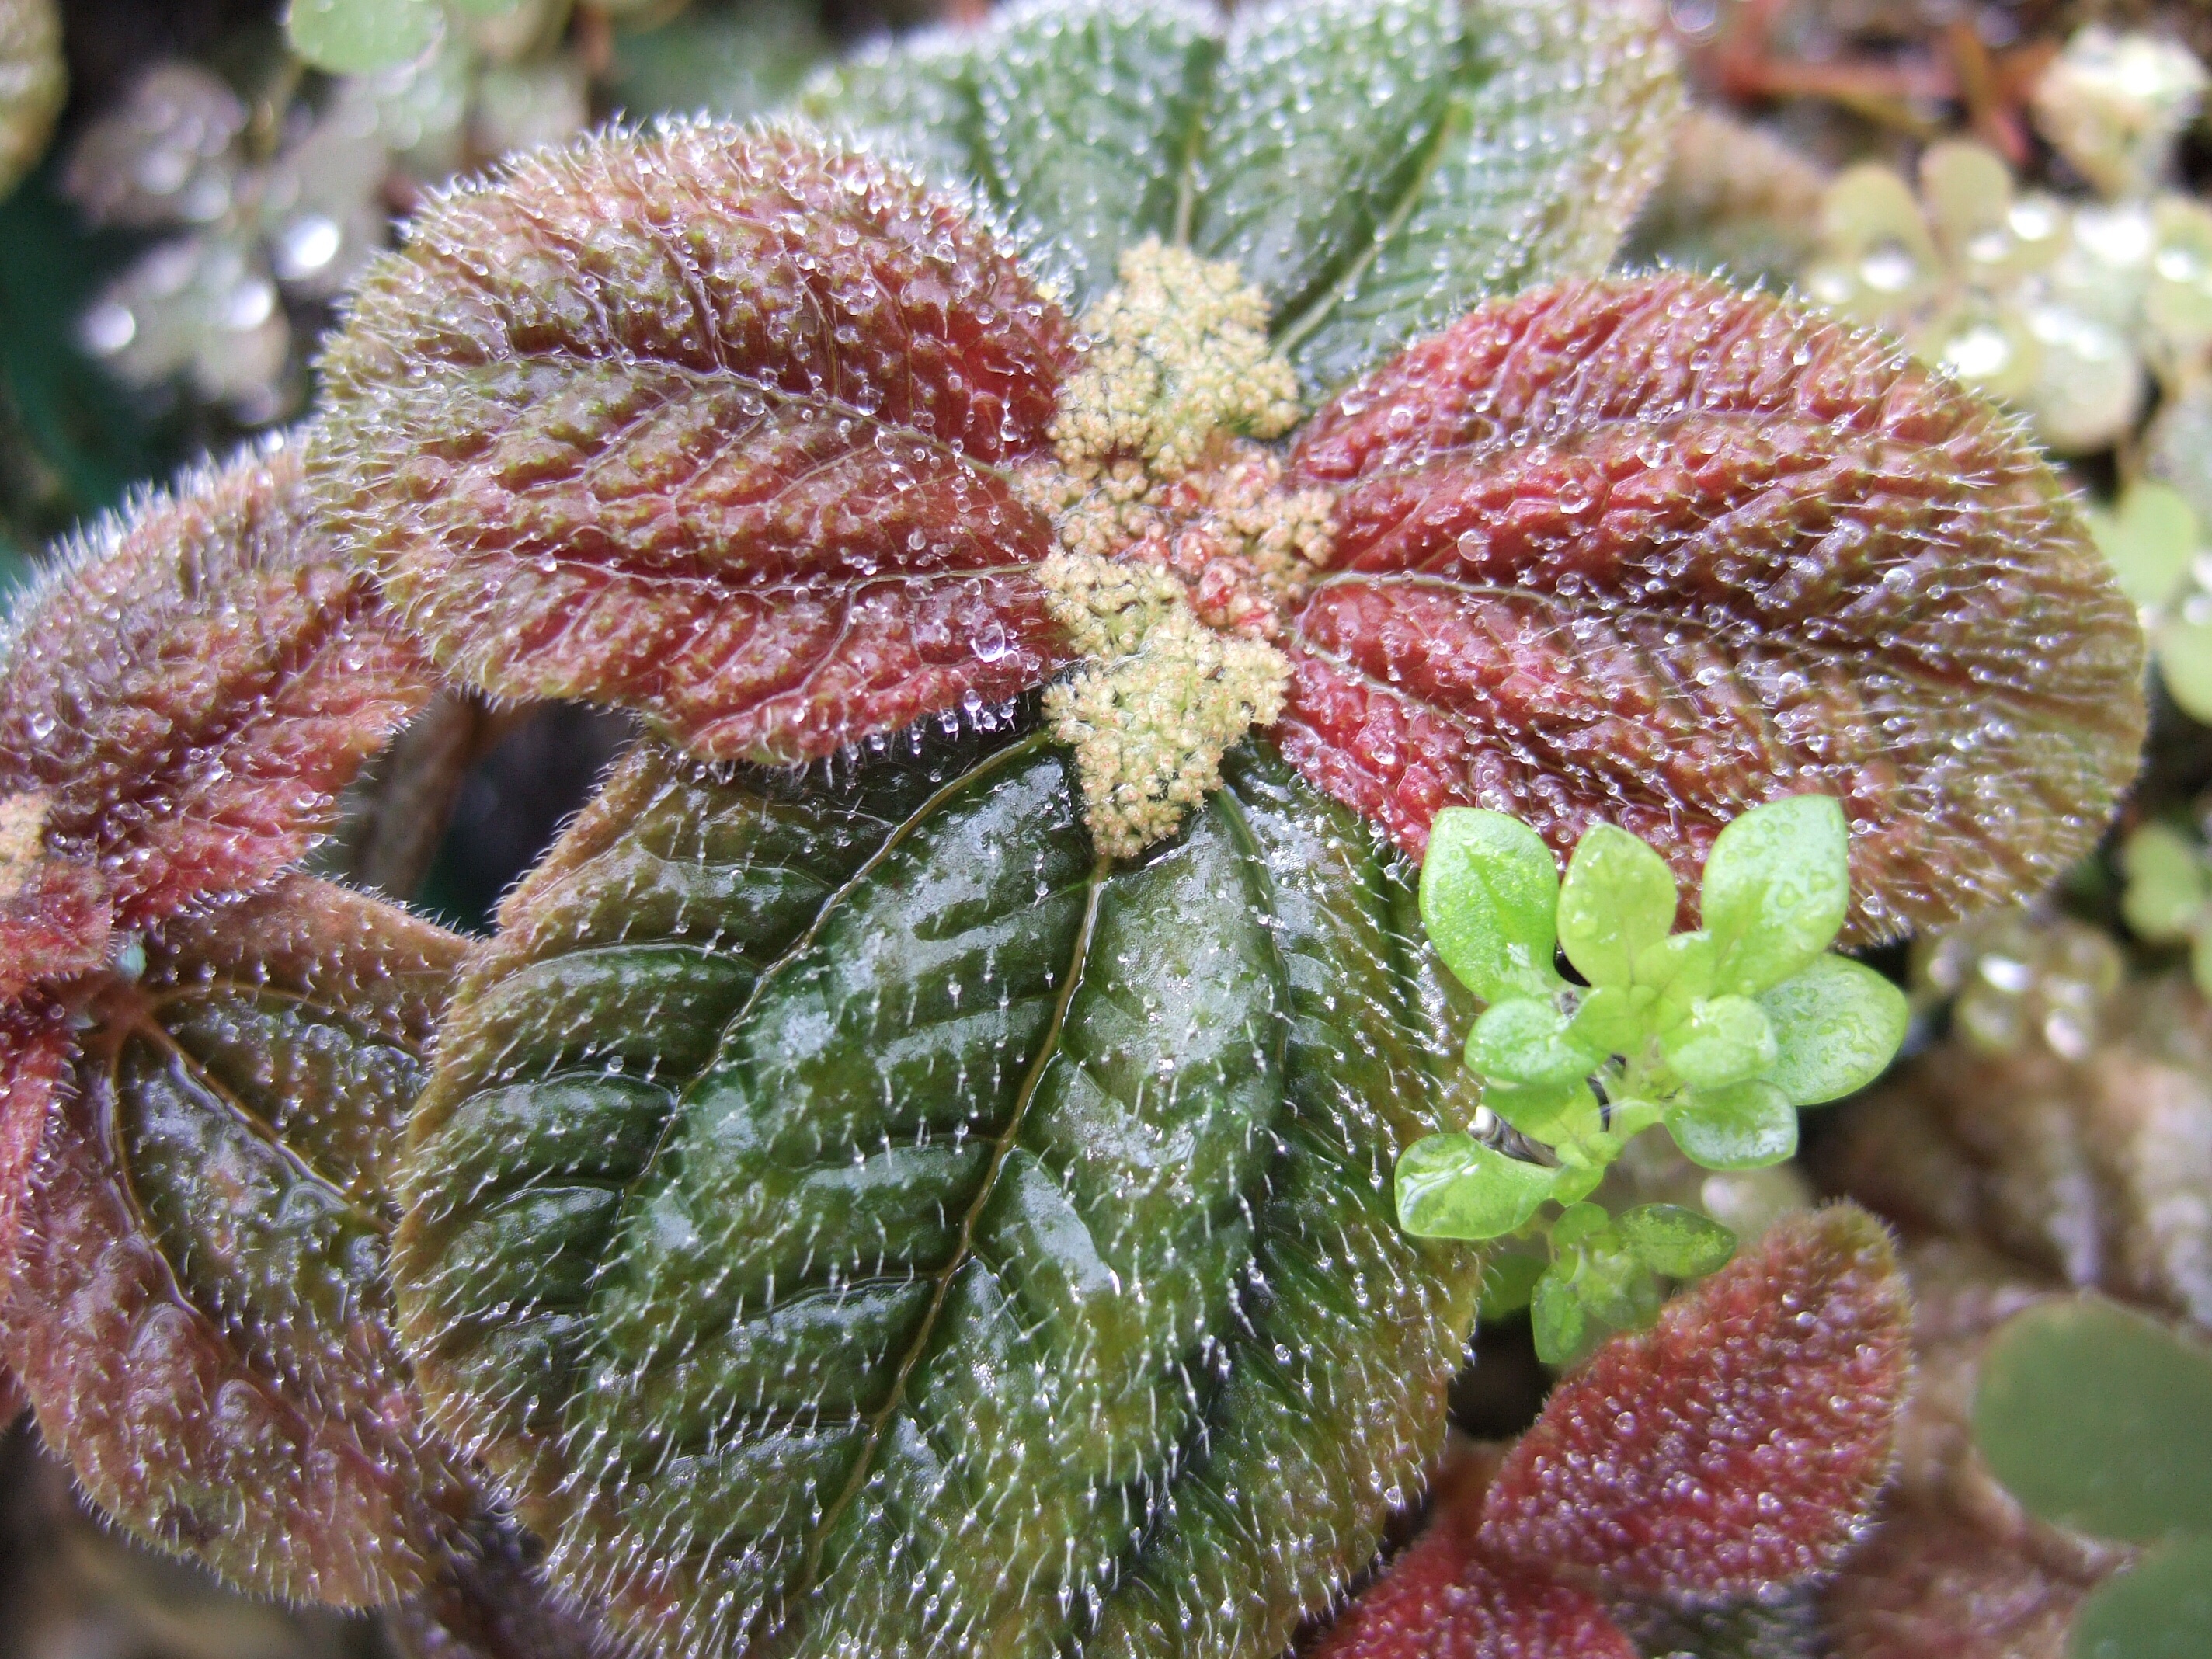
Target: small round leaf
1524, 1040
1724, 1042
2166, 883
1617, 902
1489, 891
2161, 1610
1452, 1186
1836, 1026
1556, 1314
1679, 1243
2094, 1417
360, 37
1555, 1114
1776, 889
1747, 1126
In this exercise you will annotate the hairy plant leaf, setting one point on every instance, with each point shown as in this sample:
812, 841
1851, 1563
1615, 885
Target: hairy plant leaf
1652, 552
854, 1218
705, 423
1735, 1447
1445, 1599
1375, 165
196, 1307
180, 701
36, 1050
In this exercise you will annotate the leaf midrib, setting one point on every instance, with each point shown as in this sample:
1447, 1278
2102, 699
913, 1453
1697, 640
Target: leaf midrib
964, 1249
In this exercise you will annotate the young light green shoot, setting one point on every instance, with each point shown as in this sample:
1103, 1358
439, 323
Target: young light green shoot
1719, 1033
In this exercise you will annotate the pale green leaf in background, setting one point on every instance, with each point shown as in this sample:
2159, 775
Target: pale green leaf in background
360, 37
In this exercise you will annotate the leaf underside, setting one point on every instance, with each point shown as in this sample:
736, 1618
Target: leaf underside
1648, 551
855, 1219
197, 1309
187, 692
707, 422
1375, 165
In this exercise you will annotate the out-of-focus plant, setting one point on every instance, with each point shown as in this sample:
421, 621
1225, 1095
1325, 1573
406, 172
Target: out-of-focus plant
2168, 896
2065, 310
2095, 1419
2162, 558
33, 83
1721, 1033
2011, 977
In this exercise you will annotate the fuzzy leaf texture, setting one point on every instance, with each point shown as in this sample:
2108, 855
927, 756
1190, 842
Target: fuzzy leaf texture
1375, 165
855, 1218
1731, 1452
196, 1309
180, 700
1651, 551
708, 424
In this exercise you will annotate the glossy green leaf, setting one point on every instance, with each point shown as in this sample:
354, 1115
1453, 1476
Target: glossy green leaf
1723, 1042
1319, 115
1681, 970
2160, 1609
2185, 664
1555, 131
1490, 892
2166, 886
852, 1217
2094, 1417
360, 37
1452, 1186
1617, 902
1746, 1126
1088, 115
1676, 1242
1837, 1026
1612, 1020
1776, 889
1524, 1041
1376, 166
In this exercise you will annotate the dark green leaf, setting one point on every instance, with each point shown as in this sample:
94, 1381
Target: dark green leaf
2161, 1608
1837, 1026
2094, 1417
1489, 891
858, 1218
1509, 1280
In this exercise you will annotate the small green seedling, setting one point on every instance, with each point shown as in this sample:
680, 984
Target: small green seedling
2094, 1417
1721, 1034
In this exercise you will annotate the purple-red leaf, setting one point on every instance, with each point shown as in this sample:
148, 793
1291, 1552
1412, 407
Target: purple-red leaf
179, 704
1651, 551
705, 423
1738, 1445
195, 1305
36, 1050
1442, 1599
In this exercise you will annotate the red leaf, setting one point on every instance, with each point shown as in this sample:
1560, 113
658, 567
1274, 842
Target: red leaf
705, 423
37, 1051
1738, 1445
182, 701
1651, 551
1443, 1600
193, 1306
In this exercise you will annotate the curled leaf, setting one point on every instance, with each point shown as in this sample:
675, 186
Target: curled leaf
1652, 551
1737, 1446
195, 1303
180, 703
704, 422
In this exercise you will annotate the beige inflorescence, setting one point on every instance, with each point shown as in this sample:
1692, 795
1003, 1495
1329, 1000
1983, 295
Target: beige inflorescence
1181, 547
22, 832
